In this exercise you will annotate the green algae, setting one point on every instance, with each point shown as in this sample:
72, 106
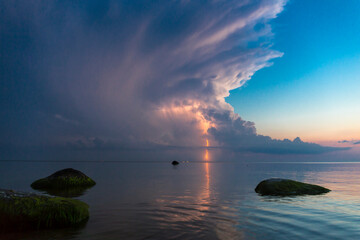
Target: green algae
286, 187
63, 182
22, 212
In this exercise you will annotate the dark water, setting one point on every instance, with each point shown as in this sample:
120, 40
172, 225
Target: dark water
202, 200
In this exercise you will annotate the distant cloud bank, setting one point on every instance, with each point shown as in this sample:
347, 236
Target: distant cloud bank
354, 142
112, 74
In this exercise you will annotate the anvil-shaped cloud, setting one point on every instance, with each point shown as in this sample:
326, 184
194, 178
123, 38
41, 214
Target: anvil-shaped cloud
134, 73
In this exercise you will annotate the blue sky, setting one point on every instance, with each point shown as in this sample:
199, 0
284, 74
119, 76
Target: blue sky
312, 91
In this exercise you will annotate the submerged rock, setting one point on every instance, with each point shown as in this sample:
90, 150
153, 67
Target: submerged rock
175, 163
24, 211
287, 187
66, 179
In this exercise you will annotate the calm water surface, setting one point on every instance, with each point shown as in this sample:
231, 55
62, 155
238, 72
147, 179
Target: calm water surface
202, 200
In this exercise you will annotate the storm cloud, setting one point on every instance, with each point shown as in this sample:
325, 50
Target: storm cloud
133, 73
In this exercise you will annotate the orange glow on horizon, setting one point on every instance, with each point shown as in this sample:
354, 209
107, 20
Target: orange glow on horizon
206, 157
328, 130
207, 143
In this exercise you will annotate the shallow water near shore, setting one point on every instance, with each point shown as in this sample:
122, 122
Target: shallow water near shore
202, 198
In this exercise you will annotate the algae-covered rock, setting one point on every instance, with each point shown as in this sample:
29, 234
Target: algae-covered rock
66, 179
23, 211
286, 187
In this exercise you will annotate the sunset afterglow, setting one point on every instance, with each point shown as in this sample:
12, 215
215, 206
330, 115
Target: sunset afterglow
180, 119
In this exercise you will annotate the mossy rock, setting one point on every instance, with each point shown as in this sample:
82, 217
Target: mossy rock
24, 211
286, 187
65, 179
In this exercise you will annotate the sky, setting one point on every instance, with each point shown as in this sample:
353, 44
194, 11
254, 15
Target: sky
251, 76
312, 91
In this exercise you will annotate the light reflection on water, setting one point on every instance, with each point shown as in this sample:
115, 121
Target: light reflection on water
204, 199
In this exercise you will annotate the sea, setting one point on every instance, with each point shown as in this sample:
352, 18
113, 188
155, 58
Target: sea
209, 195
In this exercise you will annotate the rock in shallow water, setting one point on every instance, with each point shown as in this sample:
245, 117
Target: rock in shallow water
175, 163
287, 187
64, 179
24, 211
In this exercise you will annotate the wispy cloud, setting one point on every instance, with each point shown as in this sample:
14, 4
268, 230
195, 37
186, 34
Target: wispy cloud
66, 120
